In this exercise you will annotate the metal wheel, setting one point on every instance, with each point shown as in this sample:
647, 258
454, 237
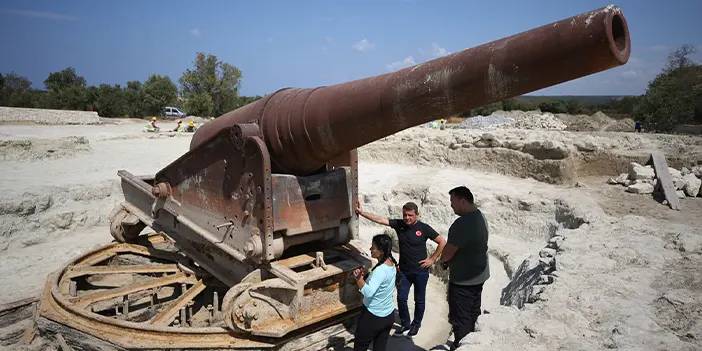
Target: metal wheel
149, 285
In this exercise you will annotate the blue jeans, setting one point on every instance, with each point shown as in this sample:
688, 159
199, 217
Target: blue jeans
419, 280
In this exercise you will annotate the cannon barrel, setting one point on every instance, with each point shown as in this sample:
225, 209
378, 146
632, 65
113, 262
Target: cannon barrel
305, 128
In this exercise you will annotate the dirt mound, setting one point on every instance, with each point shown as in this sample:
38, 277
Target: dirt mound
515, 119
597, 122
39, 149
548, 156
46, 116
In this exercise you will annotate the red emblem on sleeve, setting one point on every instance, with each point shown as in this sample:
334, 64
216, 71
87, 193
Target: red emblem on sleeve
418, 233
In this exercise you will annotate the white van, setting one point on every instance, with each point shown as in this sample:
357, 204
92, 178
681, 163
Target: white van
174, 112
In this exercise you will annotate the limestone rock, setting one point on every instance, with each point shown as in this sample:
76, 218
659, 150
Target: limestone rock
680, 193
678, 182
692, 185
514, 145
555, 243
546, 150
488, 140
547, 252
697, 171
586, 145
637, 171
640, 188
622, 179
674, 172
545, 279
521, 287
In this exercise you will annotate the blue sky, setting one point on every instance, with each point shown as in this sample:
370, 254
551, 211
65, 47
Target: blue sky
311, 43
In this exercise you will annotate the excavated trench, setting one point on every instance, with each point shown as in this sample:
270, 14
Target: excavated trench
526, 214
527, 227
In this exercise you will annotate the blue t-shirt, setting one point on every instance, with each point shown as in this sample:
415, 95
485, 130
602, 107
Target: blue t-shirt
378, 290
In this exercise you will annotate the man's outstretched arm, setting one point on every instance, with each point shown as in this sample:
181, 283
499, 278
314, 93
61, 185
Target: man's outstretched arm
371, 216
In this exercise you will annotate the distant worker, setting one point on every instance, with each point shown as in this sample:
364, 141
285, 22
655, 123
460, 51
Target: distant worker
152, 127
637, 127
442, 124
466, 257
178, 126
412, 236
377, 287
191, 126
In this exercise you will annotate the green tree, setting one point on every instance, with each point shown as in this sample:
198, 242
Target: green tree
66, 90
15, 91
680, 58
158, 92
553, 106
134, 95
199, 104
214, 78
574, 107
674, 96
244, 100
110, 101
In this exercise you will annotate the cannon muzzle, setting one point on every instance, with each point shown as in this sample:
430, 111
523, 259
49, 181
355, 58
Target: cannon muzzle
305, 128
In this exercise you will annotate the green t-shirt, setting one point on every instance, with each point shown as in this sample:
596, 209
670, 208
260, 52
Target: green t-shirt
469, 233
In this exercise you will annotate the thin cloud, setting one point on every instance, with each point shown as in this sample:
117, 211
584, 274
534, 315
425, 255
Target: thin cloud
363, 45
659, 48
438, 51
406, 62
196, 32
40, 14
630, 74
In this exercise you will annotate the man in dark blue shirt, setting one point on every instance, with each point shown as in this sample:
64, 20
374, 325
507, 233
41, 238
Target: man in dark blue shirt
412, 236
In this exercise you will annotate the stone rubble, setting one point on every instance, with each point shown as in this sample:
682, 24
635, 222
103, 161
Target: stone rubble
642, 180
515, 119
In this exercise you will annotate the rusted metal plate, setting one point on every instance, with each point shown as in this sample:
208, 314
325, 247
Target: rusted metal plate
313, 203
224, 187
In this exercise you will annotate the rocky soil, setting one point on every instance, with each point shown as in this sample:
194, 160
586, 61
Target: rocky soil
589, 265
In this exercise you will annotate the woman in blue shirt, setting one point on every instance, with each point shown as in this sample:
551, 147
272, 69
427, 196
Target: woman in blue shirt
376, 318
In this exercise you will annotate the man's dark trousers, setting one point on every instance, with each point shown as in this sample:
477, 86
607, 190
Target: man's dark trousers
419, 279
464, 309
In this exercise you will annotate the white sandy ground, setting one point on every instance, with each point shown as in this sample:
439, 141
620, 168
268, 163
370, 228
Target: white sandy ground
628, 276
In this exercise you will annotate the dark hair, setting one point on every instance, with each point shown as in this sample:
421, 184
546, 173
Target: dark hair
411, 206
462, 192
384, 243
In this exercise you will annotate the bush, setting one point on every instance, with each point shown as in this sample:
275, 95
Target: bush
553, 106
110, 101
158, 92
675, 96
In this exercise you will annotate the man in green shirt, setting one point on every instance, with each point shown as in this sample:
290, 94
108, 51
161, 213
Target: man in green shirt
466, 257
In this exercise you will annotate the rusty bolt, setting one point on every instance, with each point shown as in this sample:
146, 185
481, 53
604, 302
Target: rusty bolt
161, 190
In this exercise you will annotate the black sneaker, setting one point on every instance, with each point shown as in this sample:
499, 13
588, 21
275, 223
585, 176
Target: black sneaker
413, 331
400, 330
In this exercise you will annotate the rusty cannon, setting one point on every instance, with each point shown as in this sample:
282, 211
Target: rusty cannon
262, 203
